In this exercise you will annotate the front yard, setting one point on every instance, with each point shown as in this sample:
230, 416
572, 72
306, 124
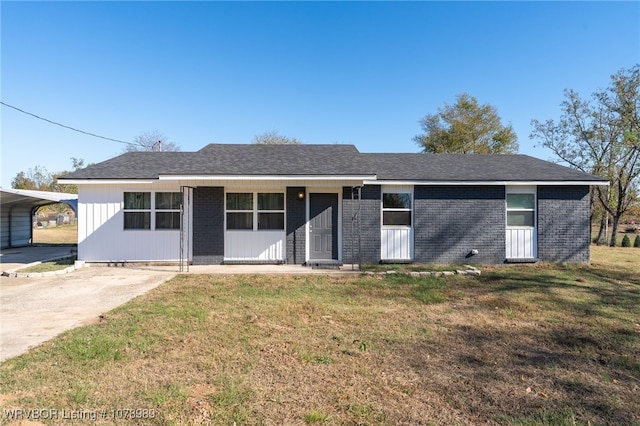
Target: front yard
519, 345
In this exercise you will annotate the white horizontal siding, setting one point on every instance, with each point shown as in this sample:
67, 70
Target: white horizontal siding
101, 234
396, 243
250, 245
520, 243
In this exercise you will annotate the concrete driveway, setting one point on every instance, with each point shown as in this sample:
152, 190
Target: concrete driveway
13, 258
34, 310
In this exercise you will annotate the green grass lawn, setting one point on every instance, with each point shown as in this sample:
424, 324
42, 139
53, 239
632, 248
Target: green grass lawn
54, 265
519, 345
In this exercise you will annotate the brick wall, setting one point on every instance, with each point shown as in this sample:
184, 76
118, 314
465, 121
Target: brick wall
370, 233
296, 217
450, 221
208, 225
563, 223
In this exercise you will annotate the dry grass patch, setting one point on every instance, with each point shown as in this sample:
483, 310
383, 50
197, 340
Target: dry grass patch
521, 345
61, 234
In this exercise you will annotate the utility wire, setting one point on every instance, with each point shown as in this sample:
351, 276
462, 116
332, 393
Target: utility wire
68, 127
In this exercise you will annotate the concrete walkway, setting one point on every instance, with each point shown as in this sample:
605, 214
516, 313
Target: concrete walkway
267, 269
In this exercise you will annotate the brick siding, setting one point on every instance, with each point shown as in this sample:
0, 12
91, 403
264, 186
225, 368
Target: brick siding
369, 225
563, 223
450, 221
208, 225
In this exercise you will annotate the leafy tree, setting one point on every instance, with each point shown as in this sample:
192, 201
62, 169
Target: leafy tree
22, 181
636, 242
152, 141
76, 163
601, 137
274, 138
466, 128
38, 179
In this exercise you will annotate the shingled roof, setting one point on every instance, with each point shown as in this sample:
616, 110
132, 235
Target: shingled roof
328, 160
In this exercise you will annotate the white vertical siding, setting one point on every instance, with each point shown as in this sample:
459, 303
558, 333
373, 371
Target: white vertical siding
396, 243
520, 243
250, 245
101, 234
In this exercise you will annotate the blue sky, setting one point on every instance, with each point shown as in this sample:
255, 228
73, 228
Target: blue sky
331, 72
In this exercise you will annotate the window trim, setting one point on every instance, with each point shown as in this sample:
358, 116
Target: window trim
255, 211
126, 210
152, 210
157, 210
521, 191
395, 209
252, 211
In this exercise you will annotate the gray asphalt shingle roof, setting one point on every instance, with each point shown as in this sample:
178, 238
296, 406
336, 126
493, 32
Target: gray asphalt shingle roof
328, 160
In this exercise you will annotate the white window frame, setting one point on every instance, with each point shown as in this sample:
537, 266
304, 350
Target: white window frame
125, 210
521, 191
152, 211
395, 231
156, 210
255, 211
392, 209
521, 251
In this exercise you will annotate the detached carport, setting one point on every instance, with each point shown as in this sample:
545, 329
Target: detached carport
17, 207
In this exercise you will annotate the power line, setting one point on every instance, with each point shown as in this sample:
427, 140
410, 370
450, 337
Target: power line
68, 127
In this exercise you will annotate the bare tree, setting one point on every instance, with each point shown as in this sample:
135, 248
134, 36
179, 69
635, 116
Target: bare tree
274, 138
152, 141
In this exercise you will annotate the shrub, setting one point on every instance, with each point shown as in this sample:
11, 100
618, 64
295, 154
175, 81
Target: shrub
626, 242
636, 242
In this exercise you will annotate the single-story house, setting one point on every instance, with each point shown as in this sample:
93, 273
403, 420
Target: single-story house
308, 204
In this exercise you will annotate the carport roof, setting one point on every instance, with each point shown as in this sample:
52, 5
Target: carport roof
13, 197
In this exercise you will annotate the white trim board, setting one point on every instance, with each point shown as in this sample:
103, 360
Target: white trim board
487, 183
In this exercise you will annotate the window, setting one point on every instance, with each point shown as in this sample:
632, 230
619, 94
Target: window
396, 209
251, 211
239, 210
137, 210
521, 210
168, 210
271, 211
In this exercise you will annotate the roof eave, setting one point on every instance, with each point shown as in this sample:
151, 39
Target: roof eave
268, 177
487, 182
94, 181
